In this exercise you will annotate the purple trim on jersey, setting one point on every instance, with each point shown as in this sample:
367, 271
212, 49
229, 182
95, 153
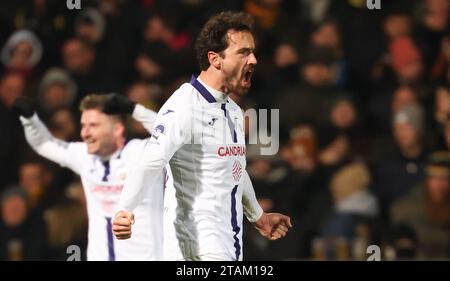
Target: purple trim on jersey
202, 90
230, 123
106, 174
111, 253
224, 109
234, 224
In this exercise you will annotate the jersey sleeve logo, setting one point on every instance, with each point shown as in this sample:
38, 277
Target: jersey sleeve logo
158, 130
168, 111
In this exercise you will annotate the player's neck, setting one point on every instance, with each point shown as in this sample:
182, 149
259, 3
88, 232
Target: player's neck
115, 150
213, 79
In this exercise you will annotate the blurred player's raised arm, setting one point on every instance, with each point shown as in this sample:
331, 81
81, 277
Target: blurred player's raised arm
144, 116
41, 140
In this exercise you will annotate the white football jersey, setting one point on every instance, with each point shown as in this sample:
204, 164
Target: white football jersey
103, 182
200, 133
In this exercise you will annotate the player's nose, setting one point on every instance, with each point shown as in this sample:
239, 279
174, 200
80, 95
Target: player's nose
84, 133
252, 59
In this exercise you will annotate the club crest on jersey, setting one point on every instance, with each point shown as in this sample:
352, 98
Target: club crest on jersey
158, 130
237, 170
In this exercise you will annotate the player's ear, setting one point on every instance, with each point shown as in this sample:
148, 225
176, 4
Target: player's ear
214, 59
119, 129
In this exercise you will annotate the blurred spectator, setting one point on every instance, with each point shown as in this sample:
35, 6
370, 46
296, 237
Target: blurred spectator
56, 90
90, 26
351, 196
402, 169
354, 213
345, 118
441, 67
319, 67
315, 10
397, 25
35, 178
402, 97
315, 93
22, 52
442, 104
308, 179
63, 125
146, 94
436, 14
444, 136
400, 243
49, 21
149, 95
406, 59
166, 44
343, 113
335, 152
12, 85
327, 35
384, 104
23, 234
270, 18
426, 209
432, 18
67, 222
301, 152
79, 58
286, 61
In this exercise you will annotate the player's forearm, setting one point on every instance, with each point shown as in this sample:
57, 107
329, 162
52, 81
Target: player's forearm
144, 116
252, 209
42, 141
35, 131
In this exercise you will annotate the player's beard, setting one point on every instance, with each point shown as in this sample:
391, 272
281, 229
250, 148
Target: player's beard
233, 84
235, 87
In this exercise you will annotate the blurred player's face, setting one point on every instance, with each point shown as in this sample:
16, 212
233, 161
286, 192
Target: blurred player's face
238, 62
103, 134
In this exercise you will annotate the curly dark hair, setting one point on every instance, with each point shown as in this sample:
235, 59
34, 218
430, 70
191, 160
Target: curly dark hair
213, 36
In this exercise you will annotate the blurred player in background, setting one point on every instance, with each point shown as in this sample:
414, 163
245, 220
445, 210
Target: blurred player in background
103, 161
200, 133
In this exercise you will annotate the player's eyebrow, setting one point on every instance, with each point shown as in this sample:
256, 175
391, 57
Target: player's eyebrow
246, 50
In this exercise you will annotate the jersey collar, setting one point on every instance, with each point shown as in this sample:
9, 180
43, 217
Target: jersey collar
210, 94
